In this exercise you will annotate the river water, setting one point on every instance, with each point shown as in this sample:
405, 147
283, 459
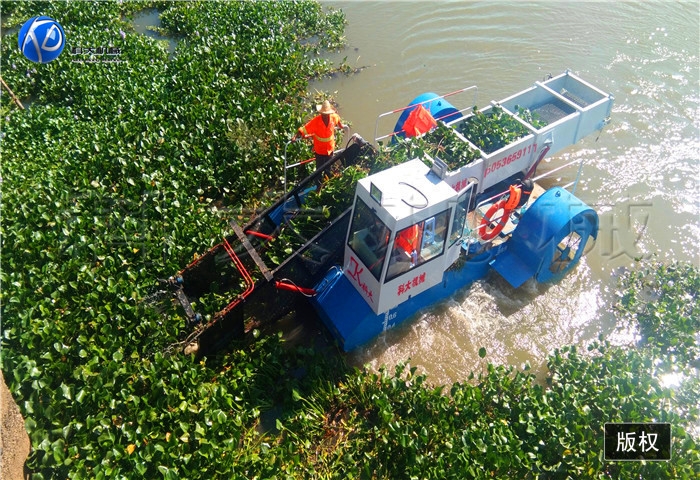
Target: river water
640, 173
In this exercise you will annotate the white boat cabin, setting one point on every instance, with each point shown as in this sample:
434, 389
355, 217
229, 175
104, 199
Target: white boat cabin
406, 230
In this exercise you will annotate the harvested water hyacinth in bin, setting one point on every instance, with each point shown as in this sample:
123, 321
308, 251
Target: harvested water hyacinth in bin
533, 118
491, 129
445, 143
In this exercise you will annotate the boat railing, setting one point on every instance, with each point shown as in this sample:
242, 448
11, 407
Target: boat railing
474, 223
287, 166
573, 184
414, 105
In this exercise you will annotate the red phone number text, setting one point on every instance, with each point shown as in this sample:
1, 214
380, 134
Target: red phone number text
510, 158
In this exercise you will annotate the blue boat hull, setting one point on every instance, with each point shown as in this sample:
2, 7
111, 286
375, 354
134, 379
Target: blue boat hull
534, 247
353, 322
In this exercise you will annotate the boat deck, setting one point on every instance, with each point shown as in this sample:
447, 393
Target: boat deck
475, 216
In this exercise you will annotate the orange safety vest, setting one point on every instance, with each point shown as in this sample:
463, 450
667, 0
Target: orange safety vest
407, 239
324, 135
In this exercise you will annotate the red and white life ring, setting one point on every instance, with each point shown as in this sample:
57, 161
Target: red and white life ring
490, 228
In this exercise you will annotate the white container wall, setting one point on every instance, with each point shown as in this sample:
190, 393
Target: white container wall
564, 109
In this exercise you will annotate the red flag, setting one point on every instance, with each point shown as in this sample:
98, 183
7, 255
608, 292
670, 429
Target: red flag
419, 121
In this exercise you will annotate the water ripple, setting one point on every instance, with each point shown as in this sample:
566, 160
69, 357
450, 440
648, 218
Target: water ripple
640, 172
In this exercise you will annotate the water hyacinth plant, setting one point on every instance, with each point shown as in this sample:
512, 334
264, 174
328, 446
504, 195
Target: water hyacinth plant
491, 130
109, 180
441, 142
321, 207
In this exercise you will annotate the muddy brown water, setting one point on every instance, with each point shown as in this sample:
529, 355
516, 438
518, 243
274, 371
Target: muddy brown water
640, 173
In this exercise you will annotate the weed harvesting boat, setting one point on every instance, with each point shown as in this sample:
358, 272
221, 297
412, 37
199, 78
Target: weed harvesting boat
415, 230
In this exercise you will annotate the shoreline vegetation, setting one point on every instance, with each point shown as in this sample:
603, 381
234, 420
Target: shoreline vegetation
109, 181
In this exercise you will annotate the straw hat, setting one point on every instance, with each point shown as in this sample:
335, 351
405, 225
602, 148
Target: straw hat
325, 108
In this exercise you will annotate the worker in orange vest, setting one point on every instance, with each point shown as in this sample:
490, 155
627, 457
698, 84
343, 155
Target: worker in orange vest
322, 129
407, 240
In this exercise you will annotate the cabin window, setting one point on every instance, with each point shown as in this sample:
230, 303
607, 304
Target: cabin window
460, 216
417, 244
369, 238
